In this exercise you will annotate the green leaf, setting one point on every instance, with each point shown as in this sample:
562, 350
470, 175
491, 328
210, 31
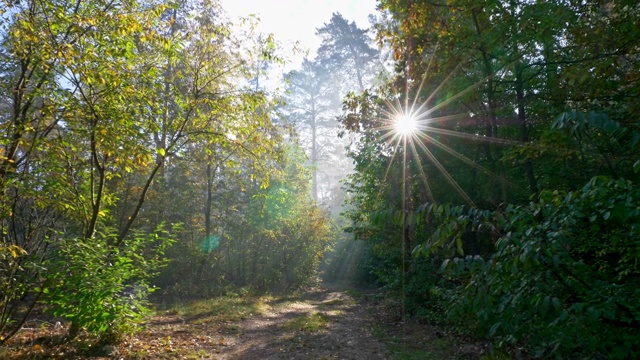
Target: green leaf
494, 328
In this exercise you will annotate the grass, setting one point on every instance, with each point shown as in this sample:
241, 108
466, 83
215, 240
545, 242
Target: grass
413, 348
355, 293
283, 303
337, 302
308, 323
222, 309
335, 313
198, 354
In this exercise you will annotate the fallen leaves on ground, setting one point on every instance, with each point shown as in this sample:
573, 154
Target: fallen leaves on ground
318, 324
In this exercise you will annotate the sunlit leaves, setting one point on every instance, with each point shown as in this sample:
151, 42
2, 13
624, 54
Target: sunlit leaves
103, 96
106, 301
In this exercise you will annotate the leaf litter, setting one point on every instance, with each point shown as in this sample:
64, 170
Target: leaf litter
320, 323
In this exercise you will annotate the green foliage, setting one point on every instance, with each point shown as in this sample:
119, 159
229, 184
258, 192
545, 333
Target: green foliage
272, 237
348, 51
312, 322
101, 288
69, 123
10, 286
523, 103
286, 220
564, 274
226, 308
104, 106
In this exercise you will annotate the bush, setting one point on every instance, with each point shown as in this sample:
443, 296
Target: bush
11, 288
564, 278
101, 287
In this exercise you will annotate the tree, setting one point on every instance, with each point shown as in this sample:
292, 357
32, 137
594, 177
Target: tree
516, 103
347, 49
311, 102
68, 126
266, 236
103, 99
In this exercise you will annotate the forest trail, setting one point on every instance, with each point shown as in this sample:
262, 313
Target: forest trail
321, 323
328, 322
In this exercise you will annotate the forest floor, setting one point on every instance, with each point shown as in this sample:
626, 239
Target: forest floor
320, 323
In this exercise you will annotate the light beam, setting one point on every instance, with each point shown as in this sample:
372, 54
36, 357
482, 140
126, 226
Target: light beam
405, 125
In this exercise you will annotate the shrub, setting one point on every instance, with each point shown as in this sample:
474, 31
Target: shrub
101, 287
565, 274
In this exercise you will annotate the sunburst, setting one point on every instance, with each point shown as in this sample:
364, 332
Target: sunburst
409, 129
405, 125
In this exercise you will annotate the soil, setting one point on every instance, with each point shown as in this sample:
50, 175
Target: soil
279, 334
321, 323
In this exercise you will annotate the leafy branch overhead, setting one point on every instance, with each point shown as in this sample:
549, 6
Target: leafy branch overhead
529, 116
103, 104
476, 160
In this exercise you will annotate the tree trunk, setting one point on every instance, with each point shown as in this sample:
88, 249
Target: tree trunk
209, 201
491, 127
314, 153
524, 129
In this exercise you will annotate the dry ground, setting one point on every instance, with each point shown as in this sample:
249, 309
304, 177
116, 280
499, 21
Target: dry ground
322, 323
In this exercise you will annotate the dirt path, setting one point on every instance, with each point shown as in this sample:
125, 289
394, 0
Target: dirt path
323, 324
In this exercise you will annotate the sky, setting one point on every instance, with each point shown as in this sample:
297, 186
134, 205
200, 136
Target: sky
297, 20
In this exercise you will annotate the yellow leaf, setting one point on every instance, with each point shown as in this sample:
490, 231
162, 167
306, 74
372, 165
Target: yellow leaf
16, 251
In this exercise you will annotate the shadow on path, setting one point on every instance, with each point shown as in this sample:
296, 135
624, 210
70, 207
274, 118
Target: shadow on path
347, 333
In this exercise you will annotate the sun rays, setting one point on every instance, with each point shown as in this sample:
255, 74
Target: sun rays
405, 124
412, 132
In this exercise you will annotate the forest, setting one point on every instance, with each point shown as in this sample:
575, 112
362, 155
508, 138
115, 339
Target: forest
476, 162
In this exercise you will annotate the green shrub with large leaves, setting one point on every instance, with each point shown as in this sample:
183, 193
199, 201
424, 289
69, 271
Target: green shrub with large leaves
102, 288
565, 274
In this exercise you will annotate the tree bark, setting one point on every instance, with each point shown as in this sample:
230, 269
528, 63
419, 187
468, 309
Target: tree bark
524, 129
